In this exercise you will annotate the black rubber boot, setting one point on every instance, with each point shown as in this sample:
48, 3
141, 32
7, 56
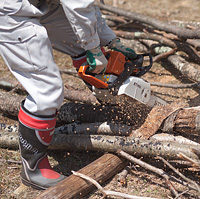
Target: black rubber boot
35, 134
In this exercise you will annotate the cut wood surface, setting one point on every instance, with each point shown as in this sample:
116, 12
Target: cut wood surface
74, 187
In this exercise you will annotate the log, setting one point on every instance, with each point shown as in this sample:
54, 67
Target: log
184, 67
132, 115
100, 170
186, 121
105, 143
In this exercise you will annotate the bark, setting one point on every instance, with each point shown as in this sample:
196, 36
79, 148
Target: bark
155, 119
106, 128
167, 27
188, 119
80, 96
74, 187
10, 103
104, 143
184, 67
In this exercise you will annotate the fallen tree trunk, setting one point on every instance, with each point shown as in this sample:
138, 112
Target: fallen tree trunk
104, 143
186, 120
132, 115
100, 170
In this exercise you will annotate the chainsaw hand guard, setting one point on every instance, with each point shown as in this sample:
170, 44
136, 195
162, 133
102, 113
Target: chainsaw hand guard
143, 69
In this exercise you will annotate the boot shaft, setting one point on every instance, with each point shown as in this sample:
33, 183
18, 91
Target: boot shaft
35, 134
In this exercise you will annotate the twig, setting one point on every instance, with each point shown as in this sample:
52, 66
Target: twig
10, 161
185, 157
179, 173
164, 55
122, 176
182, 193
145, 165
72, 72
106, 192
175, 86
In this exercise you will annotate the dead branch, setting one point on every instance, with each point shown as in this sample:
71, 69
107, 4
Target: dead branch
10, 161
185, 23
180, 32
122, 175
10, 103
180, 174
181, 46
184, 157
184, 67
149, 167
107, 192
164, 55
176, 86
80, 96
84, 96
146, 35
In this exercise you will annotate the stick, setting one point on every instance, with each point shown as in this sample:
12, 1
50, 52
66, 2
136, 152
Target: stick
105, 192
185, 157
149, 167
175, 86
179, 173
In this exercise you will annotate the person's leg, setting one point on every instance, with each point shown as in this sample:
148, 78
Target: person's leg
28, 53
64, 38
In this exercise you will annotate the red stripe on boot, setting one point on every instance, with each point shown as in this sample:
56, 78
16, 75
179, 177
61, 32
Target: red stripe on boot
45, 136
36, 122
47, 171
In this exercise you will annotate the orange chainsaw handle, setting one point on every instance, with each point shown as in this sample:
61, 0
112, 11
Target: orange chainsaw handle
91, 79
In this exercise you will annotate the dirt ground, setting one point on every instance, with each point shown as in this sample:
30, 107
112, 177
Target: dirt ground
139, 181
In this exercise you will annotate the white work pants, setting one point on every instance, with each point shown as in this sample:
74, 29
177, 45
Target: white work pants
27, 33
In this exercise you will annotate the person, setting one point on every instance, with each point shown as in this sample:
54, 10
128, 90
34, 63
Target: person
29, 30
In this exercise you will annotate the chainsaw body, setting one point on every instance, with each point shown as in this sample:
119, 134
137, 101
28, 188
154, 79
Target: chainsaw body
122, 77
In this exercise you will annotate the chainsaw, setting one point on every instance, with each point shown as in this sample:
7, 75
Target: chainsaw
122, 78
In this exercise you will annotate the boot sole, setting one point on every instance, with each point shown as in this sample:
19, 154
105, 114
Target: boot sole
30, 184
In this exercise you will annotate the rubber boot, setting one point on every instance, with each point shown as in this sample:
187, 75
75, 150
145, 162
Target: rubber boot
35, 134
